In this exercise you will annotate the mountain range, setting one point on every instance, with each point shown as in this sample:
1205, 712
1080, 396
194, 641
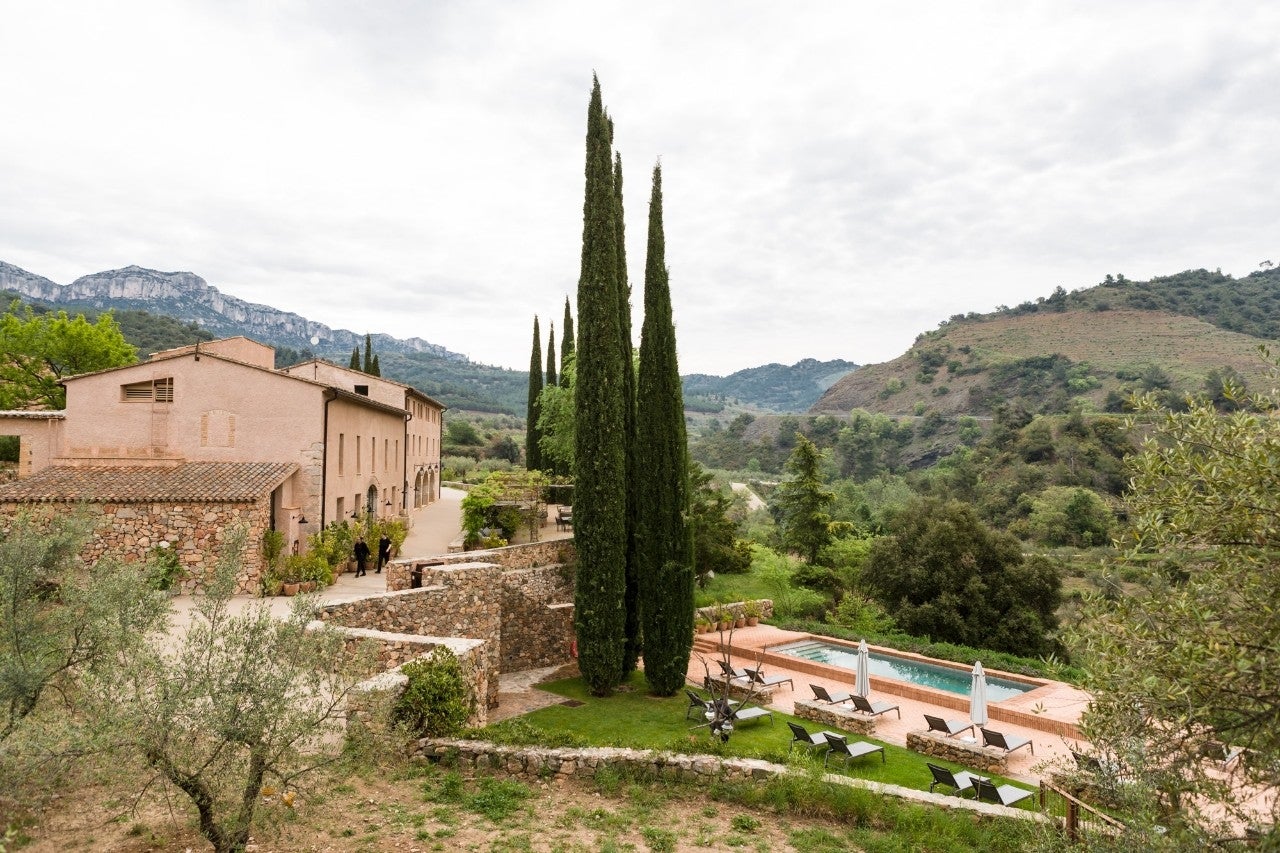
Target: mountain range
445, 375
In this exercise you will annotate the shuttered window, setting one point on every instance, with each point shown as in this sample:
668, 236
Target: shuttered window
152, 391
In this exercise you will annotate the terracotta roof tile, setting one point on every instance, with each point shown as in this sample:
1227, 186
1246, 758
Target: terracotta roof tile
191, 481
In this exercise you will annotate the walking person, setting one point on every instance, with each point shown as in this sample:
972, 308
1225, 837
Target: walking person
384, 552
361, 552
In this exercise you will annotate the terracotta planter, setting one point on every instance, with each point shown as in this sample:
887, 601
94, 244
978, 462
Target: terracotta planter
753, 621
725, 626
740, 622
289, 589
308, 586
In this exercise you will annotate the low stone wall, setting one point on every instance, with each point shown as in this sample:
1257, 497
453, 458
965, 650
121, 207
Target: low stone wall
766, 609
537, 617
738, 690
537, 763
527, 556
969, 753
195, 532
461, 601
372, 699
835, 716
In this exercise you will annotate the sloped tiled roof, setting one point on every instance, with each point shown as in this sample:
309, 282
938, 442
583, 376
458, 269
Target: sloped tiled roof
191, 481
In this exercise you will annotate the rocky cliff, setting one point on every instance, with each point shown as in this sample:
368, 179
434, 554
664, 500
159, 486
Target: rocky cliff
190, 298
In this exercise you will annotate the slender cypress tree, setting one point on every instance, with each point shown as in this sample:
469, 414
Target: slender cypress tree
375, 369
532, 447
355, 359
566, 344
368, 354
664, 543
551, 358
631, 654
600, 500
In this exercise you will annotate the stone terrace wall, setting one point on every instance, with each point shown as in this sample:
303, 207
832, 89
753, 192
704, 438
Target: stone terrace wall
537, 763
530, 555
535, 601
835, 716
537, 617
372, 698
195, 531
462, 600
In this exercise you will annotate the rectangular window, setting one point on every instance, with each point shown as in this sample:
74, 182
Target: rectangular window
151, 391
362, 390
358, 454
373, 454
386, 457
340, 510
342, 442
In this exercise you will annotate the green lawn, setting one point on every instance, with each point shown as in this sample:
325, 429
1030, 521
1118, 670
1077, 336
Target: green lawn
633, 718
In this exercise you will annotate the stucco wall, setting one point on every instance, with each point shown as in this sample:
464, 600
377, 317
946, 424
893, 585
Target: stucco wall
195, 531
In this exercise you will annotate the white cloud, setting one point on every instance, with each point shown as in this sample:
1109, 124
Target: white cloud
838, 177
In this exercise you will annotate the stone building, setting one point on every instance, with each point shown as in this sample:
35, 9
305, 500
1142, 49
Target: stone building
175, 448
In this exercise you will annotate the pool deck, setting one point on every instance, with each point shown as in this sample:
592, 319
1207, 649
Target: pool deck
1048, 715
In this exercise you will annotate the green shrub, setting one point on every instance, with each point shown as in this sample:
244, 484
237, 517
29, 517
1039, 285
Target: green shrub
164, 569
437, 701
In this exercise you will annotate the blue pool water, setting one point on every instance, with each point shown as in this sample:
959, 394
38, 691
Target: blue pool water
903, 669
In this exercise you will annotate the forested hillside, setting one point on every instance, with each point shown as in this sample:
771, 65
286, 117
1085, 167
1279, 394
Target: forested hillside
777, 387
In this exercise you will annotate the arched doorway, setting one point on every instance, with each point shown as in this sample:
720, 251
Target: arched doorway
371, 502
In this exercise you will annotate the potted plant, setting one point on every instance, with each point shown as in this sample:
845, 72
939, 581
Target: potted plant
701, 625
724, 618
291, 573
752, 610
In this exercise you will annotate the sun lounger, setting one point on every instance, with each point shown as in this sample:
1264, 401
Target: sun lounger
734, 672
950, 728
874, 709
1005, 795
841, 748
763, 680
820, 693
960, 780
1006, 742
800, 735
743, 715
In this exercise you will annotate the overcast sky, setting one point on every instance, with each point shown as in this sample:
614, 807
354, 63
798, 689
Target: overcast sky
838, 176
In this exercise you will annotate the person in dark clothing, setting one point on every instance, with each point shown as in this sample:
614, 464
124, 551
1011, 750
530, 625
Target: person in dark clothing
361, 552
384, 552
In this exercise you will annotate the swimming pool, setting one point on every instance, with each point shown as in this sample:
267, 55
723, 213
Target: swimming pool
903, 669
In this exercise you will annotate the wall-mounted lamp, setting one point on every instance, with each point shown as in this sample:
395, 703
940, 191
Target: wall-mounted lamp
302, 519
388, 503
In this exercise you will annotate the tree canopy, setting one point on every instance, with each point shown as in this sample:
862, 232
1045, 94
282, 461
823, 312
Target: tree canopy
38, 351
942, 573
1191, 664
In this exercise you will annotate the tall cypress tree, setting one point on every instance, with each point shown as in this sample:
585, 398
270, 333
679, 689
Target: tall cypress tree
532, 447
375, 369
551, 358
355, 359
600, 500
566, 344
631, 654
368, 354
664, 544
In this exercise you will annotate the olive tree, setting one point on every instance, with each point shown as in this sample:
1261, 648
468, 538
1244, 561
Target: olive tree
1190, 666
240, 699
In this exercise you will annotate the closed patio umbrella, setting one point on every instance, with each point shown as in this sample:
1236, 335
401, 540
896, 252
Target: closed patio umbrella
978, 696
862, 684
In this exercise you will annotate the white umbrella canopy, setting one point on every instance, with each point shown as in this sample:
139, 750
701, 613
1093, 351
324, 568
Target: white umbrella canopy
978, 696
862, 684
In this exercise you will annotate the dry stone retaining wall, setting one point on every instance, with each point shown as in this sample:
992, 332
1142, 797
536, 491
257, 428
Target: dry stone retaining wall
530, 555
540, 763
970, 754
834, 715
195, 532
